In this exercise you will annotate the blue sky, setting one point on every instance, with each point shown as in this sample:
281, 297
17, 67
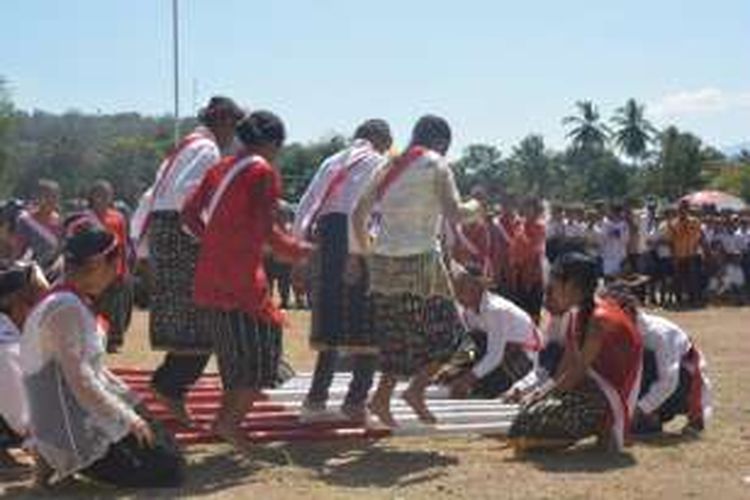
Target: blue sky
497, 70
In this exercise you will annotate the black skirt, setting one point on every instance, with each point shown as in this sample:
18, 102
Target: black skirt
248, 350
173, 318
341, 312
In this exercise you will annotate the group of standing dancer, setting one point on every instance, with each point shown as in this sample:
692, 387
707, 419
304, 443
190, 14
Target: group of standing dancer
384, 291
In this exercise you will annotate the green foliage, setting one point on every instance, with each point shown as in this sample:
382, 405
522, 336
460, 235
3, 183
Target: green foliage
679, 165
482, 164
6, 124
587, 132
633, 133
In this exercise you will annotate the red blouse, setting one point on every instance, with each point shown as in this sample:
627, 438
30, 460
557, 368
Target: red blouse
229, 273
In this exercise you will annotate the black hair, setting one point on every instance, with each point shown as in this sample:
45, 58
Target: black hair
85, 238
261, 128
375, 130
219, 109
583, 272
621, 295
14, 276
431, 131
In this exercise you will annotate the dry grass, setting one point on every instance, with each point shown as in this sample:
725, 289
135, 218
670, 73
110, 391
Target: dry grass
716, 466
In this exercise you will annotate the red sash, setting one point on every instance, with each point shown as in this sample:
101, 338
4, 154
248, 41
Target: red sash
692, 362
335, 185
169, 163
400, 165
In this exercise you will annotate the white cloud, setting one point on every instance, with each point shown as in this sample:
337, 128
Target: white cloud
707, 100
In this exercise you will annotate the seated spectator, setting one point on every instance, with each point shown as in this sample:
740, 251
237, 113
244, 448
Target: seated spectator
83, 419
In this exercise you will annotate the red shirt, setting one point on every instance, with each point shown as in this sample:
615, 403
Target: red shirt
229, 274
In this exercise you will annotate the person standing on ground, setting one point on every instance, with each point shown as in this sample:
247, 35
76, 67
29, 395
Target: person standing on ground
341, 320
233, 214
414, 317
173, 253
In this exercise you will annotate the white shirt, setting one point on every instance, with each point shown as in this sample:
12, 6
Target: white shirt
80, 407
411, 208
503, 322
614, 236
669, 344
13, 405
186, 173
362, 161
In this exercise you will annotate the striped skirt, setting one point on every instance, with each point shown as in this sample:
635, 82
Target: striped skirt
414, 331
563, 415
341, 312
116, 304
248, 350
173, 318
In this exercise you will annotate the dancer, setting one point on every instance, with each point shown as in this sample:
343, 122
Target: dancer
674, 372
233, 214
505, 337
173, 253
414, 316
341, 320
82, 417
596, 386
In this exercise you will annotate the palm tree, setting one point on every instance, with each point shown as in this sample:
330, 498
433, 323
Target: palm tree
588, 133
633, 132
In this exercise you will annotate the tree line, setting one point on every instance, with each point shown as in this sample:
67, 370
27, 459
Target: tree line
625, 156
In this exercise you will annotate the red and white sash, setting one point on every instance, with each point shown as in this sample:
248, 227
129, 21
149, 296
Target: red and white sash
163, 173
336, 183
400, 165
241, 164
40, 229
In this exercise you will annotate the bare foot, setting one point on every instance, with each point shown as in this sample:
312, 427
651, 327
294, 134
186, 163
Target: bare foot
417, 403
382, 409
233, 435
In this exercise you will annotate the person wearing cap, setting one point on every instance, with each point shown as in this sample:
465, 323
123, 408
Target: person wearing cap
173, 252
83, 419
340, 305
116, 304
233, 215
21, 285
505, 338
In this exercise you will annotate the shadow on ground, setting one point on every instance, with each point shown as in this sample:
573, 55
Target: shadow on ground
343, 464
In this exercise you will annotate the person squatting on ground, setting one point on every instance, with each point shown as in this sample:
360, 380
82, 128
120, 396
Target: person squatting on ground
83, 419
674, 378
232, 213
504, 341
414, 316
21, 285
594, 390
341, 319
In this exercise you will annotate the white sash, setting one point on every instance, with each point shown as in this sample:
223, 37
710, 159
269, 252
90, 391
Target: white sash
40, 229
229, 177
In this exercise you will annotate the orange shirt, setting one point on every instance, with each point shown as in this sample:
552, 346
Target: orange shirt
685, 236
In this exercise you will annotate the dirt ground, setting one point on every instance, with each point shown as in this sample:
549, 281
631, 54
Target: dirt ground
716, 466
